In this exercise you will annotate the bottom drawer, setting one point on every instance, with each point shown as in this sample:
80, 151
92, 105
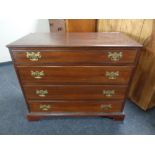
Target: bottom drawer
75, 106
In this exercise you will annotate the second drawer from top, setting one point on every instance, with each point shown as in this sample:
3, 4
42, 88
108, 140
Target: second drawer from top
75, 74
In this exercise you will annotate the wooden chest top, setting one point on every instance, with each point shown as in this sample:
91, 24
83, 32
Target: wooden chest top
90, 39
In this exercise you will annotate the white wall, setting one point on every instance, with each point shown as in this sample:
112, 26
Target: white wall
11, 30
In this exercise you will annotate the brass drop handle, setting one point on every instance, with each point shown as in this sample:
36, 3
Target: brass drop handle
33, 56
112, 75
41, 93
45, 107
106, 107
37, 74
108, 93
115, 56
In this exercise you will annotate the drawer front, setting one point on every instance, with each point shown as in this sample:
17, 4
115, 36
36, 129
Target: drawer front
75, 57
76, 74
75, 106
77, 92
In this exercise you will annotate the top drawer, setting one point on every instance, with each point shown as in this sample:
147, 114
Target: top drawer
75, 56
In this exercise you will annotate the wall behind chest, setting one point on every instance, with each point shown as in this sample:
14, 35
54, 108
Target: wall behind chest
13, 29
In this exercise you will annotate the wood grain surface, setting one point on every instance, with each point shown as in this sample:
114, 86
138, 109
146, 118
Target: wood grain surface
76, 106
80, 25
76, 74
76, 56
87, 39
138, 29
75, 92
142, 90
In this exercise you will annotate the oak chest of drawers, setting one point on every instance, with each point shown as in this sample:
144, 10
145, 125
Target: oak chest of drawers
75, 74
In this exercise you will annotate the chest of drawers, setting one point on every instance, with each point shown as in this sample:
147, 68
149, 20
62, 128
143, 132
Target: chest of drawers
75, 74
